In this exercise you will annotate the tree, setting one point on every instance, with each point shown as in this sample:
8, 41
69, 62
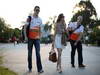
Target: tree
50, 24
17, 32
2, 26
6, 32
90, 20
87, 10
48, 29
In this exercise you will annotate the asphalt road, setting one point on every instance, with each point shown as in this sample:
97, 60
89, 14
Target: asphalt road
15, 58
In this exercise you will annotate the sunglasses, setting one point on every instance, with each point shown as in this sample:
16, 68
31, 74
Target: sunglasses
37, 10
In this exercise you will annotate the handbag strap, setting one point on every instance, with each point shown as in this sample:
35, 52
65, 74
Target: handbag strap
29, 20
73, 31
76, 28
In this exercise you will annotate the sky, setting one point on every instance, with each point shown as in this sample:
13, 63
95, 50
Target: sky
15, 12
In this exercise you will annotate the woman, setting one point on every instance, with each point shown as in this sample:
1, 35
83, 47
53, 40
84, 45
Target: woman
59, 29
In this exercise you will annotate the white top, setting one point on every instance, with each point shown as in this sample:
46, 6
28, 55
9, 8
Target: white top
73, 25
35, 22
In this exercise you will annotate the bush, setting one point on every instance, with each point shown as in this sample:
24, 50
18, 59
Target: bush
94, 37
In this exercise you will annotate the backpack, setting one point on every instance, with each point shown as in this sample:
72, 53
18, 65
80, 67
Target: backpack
28, 26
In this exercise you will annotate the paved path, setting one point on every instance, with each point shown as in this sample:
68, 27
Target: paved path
15, 58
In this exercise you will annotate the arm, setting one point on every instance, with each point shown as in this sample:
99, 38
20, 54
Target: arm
80, 36
55, 27
40, 28
69, 29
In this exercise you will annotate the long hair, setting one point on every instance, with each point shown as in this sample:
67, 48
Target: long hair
60, 17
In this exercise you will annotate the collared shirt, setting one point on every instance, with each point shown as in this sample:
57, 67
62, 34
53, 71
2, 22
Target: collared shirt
35, 22
35, 27
73, 25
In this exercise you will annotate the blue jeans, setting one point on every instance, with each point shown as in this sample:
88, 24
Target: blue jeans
36, 43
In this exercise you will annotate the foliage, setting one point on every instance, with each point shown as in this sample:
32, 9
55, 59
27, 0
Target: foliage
90, 20
17, 32
6, 32
87, 10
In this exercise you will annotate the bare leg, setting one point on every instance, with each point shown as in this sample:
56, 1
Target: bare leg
59, 60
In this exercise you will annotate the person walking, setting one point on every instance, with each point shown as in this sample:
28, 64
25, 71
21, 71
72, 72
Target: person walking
33, 35
59, 29
76, 30
14, 40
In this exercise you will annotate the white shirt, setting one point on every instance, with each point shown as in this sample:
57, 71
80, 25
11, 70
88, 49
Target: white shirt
73, 25
35, 22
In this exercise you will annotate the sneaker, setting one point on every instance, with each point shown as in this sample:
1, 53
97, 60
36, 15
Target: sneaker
82, 66
41, 71
73, 66
30, 71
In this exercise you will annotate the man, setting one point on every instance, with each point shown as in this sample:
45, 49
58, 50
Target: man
34, 38
76, 32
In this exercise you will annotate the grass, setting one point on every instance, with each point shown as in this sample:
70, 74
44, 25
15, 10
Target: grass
5, 71
1, 60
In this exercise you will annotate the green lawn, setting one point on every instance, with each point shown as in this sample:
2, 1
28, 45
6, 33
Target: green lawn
5, 71
0, 60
